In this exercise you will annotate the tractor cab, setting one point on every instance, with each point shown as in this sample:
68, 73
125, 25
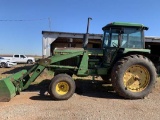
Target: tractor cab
121, 37
124, 35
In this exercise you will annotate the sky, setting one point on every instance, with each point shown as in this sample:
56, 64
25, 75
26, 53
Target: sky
22, 21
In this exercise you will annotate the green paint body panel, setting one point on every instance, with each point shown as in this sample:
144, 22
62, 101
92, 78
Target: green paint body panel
61, 51
83, 69
57, 58
125, 24
95, 52
102, 71
33, 77
7, 90
7, 87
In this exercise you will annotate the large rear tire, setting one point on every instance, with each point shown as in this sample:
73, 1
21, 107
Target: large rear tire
62, 87
133, 77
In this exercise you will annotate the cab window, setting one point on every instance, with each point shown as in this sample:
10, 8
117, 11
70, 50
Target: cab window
124, 38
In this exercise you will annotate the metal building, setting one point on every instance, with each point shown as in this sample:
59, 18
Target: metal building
53, 39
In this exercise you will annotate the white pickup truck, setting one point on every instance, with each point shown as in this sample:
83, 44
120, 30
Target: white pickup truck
19, 58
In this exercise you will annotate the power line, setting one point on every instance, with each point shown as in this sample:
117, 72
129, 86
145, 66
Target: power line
22, 20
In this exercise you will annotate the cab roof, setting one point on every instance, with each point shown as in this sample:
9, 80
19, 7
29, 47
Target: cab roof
124, 24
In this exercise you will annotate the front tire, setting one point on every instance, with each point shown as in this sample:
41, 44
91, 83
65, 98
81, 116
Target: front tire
133, 77
62, 87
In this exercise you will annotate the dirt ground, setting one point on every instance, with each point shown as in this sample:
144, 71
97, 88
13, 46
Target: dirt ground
92, 101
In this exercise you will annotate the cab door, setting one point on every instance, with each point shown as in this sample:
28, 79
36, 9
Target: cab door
110, 47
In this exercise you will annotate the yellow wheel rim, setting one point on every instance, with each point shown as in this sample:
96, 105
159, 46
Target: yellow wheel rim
62, 88
136, 78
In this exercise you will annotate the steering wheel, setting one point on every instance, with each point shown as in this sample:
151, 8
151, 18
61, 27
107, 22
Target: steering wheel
114, 44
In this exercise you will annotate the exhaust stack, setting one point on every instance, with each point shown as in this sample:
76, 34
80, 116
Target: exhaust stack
85, 40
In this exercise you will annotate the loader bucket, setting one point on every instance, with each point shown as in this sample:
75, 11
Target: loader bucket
8, 88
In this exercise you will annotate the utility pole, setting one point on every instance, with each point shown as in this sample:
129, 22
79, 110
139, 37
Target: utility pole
49, 21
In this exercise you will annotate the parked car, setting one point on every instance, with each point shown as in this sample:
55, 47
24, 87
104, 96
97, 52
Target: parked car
19, 58
6, 63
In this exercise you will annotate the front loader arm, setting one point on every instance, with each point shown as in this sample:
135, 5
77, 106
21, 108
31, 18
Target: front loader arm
43, 63
12, 85
33, 77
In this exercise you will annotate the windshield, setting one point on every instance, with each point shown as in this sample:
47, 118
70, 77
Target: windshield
128, 38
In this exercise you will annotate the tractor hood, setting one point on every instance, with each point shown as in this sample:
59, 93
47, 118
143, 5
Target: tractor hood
67, 50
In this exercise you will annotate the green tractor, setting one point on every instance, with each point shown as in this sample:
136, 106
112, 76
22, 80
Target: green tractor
122, 61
